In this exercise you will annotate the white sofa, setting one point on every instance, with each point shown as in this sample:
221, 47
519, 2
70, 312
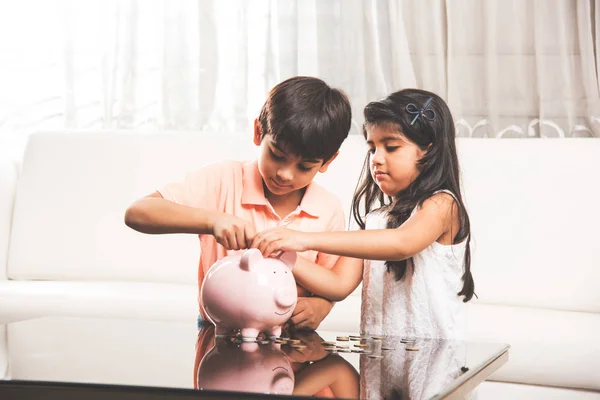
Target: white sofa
534, 208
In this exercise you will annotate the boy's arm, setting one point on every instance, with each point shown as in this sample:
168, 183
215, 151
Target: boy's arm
155, 215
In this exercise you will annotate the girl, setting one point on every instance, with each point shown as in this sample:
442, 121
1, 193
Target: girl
415, 237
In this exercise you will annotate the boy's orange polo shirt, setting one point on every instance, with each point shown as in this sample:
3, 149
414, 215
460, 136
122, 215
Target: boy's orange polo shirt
236, 188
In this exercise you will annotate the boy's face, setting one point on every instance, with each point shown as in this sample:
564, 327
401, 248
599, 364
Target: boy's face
284, 172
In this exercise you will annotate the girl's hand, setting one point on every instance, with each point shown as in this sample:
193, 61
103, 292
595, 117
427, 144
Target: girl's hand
280, 239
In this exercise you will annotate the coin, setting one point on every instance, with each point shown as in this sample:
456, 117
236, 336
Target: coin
411, 349
343, 338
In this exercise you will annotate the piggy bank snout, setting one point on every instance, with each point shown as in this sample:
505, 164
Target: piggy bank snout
286, 297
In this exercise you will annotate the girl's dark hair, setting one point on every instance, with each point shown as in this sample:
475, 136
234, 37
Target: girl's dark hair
438, 169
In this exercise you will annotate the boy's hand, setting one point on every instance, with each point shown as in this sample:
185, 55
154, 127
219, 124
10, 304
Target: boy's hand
232, 232
310, 312
280, 239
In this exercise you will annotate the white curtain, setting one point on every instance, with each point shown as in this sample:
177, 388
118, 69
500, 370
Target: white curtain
508, 68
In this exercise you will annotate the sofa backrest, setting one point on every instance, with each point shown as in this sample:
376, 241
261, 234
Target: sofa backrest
8, 187
533, 206
534, 211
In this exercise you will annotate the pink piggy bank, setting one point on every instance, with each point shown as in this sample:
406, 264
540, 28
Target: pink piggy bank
250, 293
246, 367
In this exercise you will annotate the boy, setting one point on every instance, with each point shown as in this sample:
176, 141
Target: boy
299, 131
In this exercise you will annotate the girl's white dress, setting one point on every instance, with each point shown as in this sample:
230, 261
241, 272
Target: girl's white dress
424, 304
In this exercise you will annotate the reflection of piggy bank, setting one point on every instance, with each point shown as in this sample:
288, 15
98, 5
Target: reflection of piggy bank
250, 293
248, 367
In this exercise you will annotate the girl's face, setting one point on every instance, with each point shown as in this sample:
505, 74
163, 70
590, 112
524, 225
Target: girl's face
393, 158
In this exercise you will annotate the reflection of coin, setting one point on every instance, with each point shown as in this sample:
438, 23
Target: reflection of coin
361, 345
411, 349
263, 341
355, 338
377, 337
358, 350
284, 338
375, 356
343, 338
331, 349
278, 341
294, 341
299, 346
344, 350
386, 348
325, 343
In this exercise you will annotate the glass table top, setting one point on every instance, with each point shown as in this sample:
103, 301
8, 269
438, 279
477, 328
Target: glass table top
177, 355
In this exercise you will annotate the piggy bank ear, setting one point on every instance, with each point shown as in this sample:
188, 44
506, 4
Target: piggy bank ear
250, 258
288, 258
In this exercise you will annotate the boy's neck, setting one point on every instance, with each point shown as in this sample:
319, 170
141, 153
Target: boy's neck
284, 204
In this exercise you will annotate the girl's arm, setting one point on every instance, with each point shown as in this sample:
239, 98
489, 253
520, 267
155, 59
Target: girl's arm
436, 216
335, 284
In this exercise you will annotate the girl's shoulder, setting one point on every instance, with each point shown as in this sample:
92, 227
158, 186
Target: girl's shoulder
444, 195
444, 199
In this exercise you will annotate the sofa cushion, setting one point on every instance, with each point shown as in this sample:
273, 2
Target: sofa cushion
133, 300
3, 352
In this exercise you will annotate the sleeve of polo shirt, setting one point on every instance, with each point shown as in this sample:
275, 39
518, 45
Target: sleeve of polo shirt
201, 188
336, 223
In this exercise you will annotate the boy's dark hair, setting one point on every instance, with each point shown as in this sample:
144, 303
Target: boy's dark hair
308, 116
438, 169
